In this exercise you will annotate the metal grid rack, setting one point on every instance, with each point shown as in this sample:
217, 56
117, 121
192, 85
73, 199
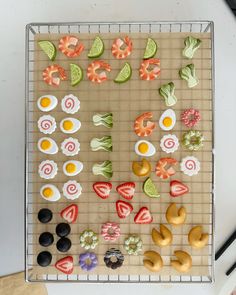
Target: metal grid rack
33, 84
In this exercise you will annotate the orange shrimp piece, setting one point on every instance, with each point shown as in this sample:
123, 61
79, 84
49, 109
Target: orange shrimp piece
139, 127
53, 75
164, 167
120, 53
95, 76
145, 73
69, 45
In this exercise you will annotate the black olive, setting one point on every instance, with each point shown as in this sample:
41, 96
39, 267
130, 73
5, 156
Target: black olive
44, 258
45, 215
63, 244
46, 239
63, 229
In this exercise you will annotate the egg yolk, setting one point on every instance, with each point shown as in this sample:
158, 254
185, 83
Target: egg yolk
70, 168
167, 122
68, 125
143, 148
45, 145
45, 102
48, 192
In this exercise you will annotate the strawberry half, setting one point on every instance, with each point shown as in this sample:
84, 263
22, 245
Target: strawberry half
126, 190
143, 216
70, 213
65, 265
123, 209
177, 188
102, 189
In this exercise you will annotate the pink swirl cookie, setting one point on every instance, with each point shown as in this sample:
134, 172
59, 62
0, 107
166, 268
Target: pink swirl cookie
47, 169
47, 124
70, 146
190, 166
169, 143
110, 231
72, 190
70, 104
190, 117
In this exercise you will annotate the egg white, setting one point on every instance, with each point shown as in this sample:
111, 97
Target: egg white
151, 149
52, 150
76, 127
79, 167
52, 105
167, 113
56, 194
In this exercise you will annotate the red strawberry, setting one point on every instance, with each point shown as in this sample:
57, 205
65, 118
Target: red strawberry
126, 190
177, 188
70, 213
65, 265
102, 189
143, 216
123, 208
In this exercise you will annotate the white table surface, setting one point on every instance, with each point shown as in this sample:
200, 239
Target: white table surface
14, 15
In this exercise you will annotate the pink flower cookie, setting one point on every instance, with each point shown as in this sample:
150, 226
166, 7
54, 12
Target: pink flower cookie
190, 166
169, 143
110, 231
190, 117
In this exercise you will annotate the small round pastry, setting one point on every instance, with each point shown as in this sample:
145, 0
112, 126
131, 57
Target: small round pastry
183, 262
190, 117
44, 258
133, 245
88, 261
70, 104
190, 166
163, 237
47, 169
192, 140
47, 124
46, 239
72, 189
196, 237
63, 229
113, 258
142, 168
70, 146
174, 215
110, 231
153, 261
63, 244
88, 239
45, 215
169, 143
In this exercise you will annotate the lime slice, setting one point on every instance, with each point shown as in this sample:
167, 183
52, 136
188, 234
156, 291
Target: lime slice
151, 49
150, 189
124, 74
76, 74
48, 48
97, 48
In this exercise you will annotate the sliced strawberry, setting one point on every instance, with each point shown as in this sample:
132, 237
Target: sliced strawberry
70, 213
126, 190
143, 216
123, 209
102, 189
65, 265
177, 188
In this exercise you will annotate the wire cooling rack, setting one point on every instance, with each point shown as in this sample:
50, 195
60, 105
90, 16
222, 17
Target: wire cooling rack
125, 102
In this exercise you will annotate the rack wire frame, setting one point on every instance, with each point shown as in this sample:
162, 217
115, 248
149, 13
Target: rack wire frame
106, 27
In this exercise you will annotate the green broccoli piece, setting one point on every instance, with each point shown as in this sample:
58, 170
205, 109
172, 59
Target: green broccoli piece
167, 92
188, 73
191, 46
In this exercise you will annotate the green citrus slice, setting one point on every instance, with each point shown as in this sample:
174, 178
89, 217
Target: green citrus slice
150, 189
48, 48
124, 74
97, 48
76, 74
151, 49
